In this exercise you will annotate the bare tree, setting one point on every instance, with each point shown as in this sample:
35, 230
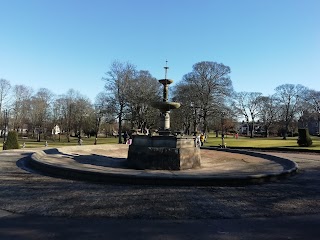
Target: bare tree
117, 85
106, 105
4, 91
313, 98
21, 106
187, 116
247, 104
268, 112
210, 82
312, 104
289, 98
82, 112
40, 111
5, 87
64, 109
71, 110
144, 89
58, 114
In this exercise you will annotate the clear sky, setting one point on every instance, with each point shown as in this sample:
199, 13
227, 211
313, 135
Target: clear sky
65, 44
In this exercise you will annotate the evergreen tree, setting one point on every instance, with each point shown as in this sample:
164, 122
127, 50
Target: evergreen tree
304, 139
12, 141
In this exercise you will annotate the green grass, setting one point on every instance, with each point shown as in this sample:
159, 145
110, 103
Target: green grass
32, 143
275, 142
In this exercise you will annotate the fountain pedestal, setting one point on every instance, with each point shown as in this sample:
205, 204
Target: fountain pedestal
163, 152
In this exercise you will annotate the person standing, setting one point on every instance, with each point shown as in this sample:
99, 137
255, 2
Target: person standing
201, 139
125, 137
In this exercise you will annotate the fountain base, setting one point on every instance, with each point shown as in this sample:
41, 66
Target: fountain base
163, 153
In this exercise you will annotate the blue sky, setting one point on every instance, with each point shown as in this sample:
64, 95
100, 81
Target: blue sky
65, 44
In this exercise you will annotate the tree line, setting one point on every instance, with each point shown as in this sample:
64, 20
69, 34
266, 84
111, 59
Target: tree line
208, 100
208, 103
34, 114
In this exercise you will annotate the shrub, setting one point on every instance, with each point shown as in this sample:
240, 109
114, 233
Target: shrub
304, 139
12, 141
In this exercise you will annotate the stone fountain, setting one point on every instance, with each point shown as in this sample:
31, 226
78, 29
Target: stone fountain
163, 151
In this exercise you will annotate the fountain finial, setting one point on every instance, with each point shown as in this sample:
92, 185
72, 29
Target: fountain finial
166, 69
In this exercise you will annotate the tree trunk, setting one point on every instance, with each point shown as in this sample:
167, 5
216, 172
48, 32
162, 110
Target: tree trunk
205, 124
68, 135
120, 124
252, 130
284, 134
267, 132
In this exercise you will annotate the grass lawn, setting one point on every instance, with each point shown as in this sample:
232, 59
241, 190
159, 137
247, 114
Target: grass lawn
212, 140
32, 143
274, 142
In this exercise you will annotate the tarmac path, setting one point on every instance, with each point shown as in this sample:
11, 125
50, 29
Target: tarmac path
35, 206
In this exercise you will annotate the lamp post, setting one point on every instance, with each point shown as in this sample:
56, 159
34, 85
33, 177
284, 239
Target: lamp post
98, 119
195, 122
194, 117
99, 114
5, 127
222, 123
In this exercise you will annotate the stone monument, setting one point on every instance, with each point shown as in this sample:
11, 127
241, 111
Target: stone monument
163, 151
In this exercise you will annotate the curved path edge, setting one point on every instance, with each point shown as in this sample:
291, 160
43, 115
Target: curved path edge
39, 161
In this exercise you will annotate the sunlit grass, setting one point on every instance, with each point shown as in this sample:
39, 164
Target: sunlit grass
212, 140
33, 143
275, 142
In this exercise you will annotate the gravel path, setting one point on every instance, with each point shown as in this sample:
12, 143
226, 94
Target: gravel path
30, 193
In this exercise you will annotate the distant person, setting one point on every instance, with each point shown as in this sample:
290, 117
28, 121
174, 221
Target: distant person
197, 141
129, 141
201, 139
80, 140
125, 137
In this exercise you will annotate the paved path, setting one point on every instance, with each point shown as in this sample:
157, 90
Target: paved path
35, 206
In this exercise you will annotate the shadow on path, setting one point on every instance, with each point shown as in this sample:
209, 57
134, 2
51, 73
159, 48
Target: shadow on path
99, 160
32, 227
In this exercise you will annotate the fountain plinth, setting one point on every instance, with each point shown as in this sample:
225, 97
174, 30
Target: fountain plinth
164, 151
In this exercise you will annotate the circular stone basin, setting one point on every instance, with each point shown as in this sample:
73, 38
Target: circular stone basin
108, 163
165, 81
165, 106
